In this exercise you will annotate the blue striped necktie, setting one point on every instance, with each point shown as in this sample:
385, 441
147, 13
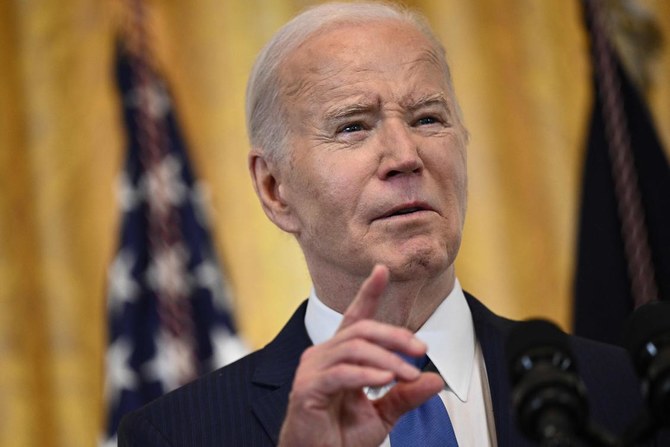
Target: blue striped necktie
426, 426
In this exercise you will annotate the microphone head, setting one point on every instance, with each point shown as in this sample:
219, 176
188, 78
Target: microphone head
647, 338
649, 323
548, 397
533, 341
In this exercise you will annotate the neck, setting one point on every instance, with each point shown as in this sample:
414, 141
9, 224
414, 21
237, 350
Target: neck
405, 302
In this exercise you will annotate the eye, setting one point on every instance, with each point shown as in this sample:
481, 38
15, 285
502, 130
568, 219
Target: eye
351, 127
426, 120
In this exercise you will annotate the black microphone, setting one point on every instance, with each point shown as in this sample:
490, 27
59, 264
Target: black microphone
647, 338
548, 396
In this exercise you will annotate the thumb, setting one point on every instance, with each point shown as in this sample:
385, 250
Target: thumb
406, 396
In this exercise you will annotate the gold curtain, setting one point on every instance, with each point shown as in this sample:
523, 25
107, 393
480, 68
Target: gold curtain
522, 75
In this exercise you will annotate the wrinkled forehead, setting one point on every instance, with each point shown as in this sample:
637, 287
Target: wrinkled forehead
329, 57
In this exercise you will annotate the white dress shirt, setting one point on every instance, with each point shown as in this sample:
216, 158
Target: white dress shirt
453, 349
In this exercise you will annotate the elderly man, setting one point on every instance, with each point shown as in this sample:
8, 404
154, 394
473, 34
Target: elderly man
359, 151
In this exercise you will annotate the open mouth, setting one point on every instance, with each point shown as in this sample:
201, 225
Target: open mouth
413, 209
404, 210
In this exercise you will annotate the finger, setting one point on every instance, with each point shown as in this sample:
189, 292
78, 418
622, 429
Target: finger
392, 338
341, 377
406, 396
366, 301
361, 335
361, 352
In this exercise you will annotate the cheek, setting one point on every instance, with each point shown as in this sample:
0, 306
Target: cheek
462, 185
461, 191
329, 193
341, 179
455, 157
452, 180
341, 196
460, 178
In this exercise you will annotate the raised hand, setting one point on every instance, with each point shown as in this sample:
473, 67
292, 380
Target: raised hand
327, 405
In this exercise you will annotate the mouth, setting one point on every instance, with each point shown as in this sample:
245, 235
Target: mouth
406, 209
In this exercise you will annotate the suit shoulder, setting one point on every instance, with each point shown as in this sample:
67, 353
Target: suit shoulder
198, 412
230, 380
599, 355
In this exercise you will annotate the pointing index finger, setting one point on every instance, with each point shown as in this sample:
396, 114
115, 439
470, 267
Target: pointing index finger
366, 301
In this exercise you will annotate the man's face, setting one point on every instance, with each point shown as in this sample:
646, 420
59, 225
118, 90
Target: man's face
376, 165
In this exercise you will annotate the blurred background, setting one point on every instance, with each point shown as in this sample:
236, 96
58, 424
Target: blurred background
522, 73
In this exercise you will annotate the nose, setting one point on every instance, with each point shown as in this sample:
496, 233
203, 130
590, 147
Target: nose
399, 151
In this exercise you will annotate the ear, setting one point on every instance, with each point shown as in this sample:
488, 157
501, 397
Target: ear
267, 179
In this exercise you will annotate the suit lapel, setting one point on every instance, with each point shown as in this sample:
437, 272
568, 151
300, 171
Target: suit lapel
275, 371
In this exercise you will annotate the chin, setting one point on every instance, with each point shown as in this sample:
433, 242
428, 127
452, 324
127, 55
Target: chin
420, 264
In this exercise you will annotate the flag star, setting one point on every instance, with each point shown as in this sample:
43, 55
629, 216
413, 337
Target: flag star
120, 375
163, 185
173, 363
156, 96
208, 276
109, 442
227, 347
122, 287
167, 273
201, 199
126, 194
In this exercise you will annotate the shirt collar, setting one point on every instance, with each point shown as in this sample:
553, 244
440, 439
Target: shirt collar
448, 332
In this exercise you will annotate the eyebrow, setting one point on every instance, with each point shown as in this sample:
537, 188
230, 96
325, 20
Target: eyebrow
347, 110
435, 99
365, 105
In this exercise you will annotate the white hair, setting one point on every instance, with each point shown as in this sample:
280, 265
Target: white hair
265, 117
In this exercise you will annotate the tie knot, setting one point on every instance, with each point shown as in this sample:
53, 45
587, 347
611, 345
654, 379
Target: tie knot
419, 362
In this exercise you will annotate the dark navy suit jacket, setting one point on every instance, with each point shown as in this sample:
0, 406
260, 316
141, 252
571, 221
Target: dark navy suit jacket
243, 404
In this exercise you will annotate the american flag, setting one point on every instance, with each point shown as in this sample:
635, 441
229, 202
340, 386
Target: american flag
168, 307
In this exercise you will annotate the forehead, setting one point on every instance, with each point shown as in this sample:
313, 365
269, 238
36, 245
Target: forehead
338, 59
